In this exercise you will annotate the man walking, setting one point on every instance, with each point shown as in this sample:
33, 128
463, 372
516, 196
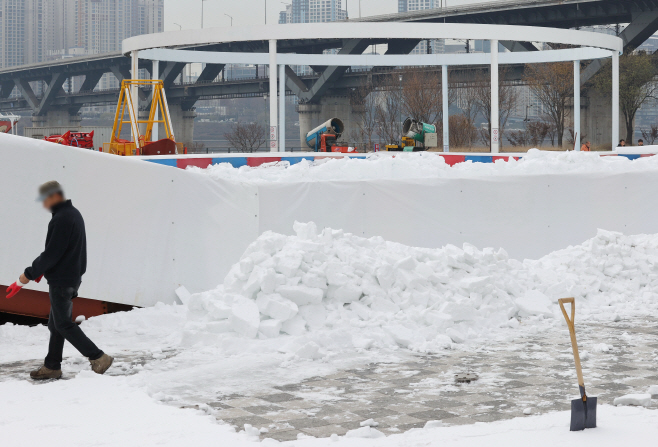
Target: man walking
63, 263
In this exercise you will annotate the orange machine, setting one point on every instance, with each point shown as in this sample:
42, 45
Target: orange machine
141, 144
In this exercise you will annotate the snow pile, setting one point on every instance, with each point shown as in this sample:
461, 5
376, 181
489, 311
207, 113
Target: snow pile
424, 165
363, 292
615, 274
638, 400
333, 291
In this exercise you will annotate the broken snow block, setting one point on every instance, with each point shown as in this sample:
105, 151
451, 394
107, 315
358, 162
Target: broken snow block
294, 326
275, 306
270, 328
183, 295
639, 400
533, 302
245, 318
348, 293
314, 314
301, 295
310, 350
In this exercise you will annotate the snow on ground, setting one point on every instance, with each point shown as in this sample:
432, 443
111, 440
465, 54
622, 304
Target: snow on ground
425, 165
306, 305
67, 413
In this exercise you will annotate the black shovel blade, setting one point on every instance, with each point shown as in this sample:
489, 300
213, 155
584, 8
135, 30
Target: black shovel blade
583, 414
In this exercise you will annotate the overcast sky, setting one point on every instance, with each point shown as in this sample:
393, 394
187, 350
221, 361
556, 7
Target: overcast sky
187, 13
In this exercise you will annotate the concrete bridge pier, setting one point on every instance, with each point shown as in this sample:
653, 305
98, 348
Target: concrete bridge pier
57, 118
331, 106
596, 119
183, 123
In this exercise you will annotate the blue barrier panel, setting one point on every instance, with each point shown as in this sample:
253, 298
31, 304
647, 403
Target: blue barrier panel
479, 158
629, 156
294, 160
167, 162
235, 161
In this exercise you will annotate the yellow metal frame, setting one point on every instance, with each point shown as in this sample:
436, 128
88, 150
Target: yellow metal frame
158, 102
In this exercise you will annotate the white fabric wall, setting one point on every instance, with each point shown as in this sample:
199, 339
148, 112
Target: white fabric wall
529, 216
150, 228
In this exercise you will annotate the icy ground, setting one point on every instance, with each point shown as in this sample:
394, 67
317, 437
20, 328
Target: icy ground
384, 165
315, 334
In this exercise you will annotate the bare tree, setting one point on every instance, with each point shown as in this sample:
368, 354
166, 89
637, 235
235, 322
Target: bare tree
462, 132
508, 97
247, 137
650, 135
467, 100
552, 84
388, 113
636, 86
532, 136
572, 137
364, 103
422, 96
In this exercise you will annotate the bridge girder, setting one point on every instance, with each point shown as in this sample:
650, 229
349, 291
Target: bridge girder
459, 76
641, 14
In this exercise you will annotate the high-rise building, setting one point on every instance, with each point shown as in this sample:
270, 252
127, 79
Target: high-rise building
322, 11
312, 11
296, 12
38, 30
435, 46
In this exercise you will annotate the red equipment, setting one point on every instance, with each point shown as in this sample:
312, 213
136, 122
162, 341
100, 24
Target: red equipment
76, 139
328, 143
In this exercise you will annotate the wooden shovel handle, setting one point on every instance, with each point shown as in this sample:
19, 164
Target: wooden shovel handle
572, 332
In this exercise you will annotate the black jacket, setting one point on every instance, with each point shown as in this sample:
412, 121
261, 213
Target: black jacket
64, 260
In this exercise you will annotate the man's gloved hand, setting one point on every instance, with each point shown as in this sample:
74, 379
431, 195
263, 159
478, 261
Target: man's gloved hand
14, 288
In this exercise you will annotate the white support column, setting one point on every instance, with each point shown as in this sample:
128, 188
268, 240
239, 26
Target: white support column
446, 109
155, 134
495, 114
576, 104
274, 137
615, 99
134, 90
282, 108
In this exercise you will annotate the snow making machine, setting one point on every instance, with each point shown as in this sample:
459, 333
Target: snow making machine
324, 138
416, 137
142, 144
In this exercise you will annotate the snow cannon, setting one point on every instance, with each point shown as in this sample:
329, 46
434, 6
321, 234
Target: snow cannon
417, 130
332, 127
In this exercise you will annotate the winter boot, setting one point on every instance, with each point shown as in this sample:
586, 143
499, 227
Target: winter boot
44, 373
102, 364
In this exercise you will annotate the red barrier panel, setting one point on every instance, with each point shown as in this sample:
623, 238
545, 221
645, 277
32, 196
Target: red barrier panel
257, 161
454, 159
198, 162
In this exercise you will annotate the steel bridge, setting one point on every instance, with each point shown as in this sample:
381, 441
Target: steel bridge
640, 15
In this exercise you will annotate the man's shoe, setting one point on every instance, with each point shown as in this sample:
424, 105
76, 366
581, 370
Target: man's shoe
102, 364
44, 373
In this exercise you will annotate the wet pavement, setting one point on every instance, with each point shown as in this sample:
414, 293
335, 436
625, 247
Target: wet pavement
534, 372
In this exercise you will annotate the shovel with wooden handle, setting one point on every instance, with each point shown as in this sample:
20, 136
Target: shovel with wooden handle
583, 410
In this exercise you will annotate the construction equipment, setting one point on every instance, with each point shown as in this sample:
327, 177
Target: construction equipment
414, 132
324, 138
8, 123
141, 144
76, 139
583, 410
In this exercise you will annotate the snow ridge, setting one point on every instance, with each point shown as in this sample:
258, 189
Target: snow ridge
333, 290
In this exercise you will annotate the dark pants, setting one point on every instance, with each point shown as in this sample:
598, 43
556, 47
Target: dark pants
63, 328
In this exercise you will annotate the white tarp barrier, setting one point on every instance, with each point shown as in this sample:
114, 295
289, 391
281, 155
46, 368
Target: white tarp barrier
152, 228
529, 216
